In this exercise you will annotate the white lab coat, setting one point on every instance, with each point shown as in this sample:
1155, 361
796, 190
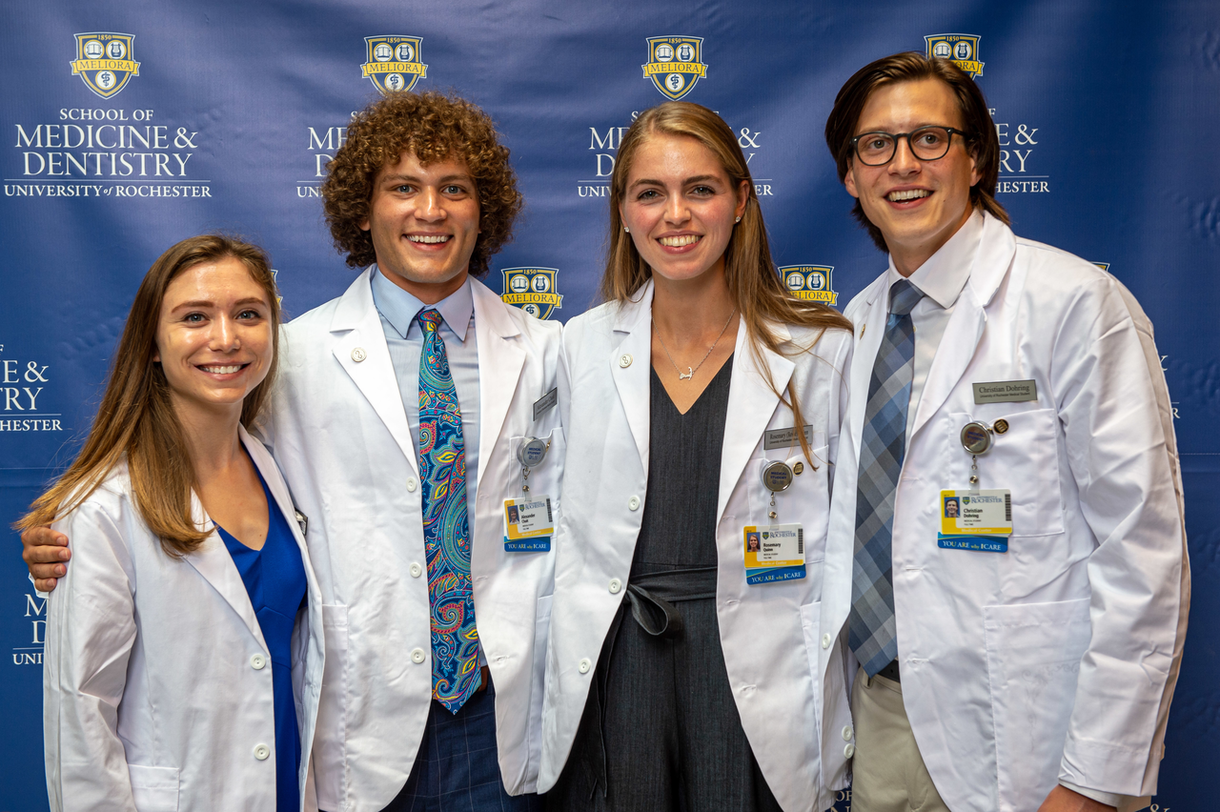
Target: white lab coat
770, 634
338, 429
1056, 660
156, 677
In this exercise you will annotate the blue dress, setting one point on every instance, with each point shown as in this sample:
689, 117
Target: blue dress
275, 580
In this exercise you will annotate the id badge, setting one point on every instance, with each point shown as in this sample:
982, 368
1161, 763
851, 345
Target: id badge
774, 553
528, 524
975, 520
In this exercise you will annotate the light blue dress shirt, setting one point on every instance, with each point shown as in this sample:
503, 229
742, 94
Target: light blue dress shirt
398, 310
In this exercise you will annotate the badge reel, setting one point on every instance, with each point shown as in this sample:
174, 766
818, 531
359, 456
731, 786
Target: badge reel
774, 552
528, 521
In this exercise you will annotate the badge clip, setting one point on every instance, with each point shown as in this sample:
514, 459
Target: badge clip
976, 439
776, 477
529, 454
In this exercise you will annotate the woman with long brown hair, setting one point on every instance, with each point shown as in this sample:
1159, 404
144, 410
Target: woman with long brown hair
686, 668
190, 610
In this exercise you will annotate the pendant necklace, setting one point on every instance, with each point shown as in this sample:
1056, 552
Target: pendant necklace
690, 371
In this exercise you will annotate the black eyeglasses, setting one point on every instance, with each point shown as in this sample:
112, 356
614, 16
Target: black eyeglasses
926, 143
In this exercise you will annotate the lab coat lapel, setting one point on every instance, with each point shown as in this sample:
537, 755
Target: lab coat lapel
213, 561
358, 335
501, 359
632, 381
752, 404
870, 328
965, 328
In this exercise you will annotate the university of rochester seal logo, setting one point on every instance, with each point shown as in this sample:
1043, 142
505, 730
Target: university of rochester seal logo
104, 61
810, 282
962, 49
532, 290
393, 62
675, 64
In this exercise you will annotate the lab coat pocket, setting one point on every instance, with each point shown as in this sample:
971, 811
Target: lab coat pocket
154, 789
1023, 459
544, 478
809, 487
1033, 660
330, 740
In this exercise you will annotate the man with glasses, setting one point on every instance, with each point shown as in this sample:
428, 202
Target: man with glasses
1021, 654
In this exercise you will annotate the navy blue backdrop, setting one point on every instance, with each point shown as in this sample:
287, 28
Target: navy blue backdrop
130, 125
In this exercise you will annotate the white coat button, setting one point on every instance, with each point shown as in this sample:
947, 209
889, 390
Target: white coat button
847, 733
826, 640
849, 750
585, 665
417, 656
625, 360
262, 752
412, 485
634, 503
615, 586
258, 662
416, 570
359, 354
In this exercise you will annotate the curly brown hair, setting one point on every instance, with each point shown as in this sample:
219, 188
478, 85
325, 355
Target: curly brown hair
435, 127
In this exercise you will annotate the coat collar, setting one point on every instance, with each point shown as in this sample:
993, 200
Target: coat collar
212, 559
969, 319
630, 362
360, 348
502, 355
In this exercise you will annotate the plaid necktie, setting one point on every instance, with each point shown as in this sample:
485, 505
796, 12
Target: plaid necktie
442, 469
872, 631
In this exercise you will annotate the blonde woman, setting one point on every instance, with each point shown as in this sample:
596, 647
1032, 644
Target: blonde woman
184, 644
686, 668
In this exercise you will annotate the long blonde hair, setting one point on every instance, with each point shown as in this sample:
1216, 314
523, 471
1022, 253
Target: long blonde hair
752, 278
136, 419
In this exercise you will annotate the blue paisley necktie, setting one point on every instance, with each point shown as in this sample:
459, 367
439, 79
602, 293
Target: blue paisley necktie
872, 632
442, 469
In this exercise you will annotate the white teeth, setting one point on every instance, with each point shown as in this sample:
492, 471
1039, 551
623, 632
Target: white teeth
908, 194
430, 239
678, 242
222, 370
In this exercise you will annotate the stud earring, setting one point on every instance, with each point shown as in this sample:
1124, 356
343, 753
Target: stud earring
738, 220
626, 229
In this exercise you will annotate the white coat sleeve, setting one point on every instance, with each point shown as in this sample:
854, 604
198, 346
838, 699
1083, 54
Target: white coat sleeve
91, 630
1120, 459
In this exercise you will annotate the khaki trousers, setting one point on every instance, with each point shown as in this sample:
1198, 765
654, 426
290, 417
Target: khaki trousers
888, 773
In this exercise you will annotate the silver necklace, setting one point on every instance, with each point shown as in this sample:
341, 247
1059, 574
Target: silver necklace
690, 371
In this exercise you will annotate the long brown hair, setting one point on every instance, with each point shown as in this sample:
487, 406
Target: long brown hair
752, 278
981, 139
136, 419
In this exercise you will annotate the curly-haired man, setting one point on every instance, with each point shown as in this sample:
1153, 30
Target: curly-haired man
416, 382
399, 414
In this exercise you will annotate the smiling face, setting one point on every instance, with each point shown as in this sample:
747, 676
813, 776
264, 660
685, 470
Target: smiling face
424, 221
214, 340
680, 206
917, 205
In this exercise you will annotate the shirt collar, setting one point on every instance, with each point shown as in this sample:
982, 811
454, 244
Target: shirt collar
945, 273
400, 308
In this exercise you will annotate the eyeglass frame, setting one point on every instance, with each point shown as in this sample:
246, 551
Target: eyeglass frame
899, 136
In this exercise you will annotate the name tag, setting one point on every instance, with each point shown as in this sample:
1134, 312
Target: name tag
975, 520
1005, 391
545, 403
785, 438
774, 553
528, 524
